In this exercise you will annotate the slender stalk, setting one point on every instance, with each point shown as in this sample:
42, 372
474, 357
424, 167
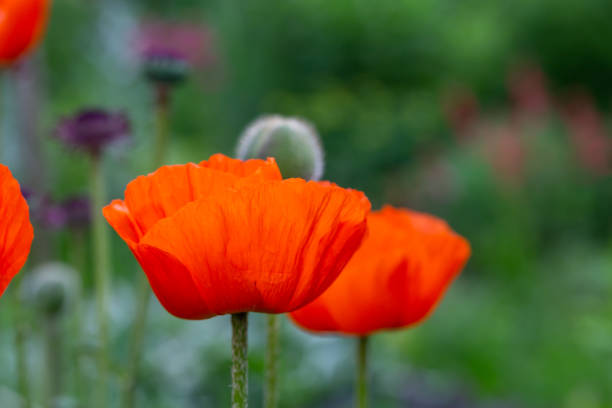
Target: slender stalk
162, 103
20, 352
361, 397
79, 264
144, 292
136, 341
240, 368
271, 390
53, 348
101, 258
22, 367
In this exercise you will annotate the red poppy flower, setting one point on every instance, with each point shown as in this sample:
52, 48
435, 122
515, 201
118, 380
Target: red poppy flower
22, 23
16, 231
394, 280
227, 236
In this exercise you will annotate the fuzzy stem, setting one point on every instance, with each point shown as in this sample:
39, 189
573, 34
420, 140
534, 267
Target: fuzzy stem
239, 361
361, 397
144, 291
101, 258
271, 390
53, 348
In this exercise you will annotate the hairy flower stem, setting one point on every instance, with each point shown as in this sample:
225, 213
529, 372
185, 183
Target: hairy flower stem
271, 391
144, 291
361, 397
240, 368
20, 352
101, 259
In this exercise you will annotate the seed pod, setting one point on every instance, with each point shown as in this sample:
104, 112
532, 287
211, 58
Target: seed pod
294, 143
51, 288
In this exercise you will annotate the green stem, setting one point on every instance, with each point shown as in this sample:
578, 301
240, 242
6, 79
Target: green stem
101, 259
239, 361
162, 103
361, 399
271, 390
144, 291
136, 341
53, 350
20, 351
79, 264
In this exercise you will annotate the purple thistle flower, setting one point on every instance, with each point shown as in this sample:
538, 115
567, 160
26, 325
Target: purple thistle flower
92, 129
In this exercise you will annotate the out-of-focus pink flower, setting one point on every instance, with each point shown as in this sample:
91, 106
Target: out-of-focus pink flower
504, 150
168, 50
592, 143
436, 180
462, 111
529, 92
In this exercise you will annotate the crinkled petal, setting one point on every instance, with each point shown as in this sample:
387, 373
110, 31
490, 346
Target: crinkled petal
267, 169
267, 247
160, 194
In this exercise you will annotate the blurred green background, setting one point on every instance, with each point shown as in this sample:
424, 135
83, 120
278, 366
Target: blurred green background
492, 115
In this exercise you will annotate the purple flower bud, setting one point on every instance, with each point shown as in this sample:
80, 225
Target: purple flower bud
92, 129
168, 50
165, 66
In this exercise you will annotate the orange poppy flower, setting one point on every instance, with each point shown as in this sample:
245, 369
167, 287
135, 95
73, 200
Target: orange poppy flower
394, 280
22, 23
228, 236
16, 231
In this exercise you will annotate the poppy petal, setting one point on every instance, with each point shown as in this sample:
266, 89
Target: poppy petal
268, 247
118, 216
21, 25
394, 280
160, 194
16, 232
172, 283
267, 169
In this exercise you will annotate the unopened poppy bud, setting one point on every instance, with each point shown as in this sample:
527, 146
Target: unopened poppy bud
165, 67
51, 288
294, 143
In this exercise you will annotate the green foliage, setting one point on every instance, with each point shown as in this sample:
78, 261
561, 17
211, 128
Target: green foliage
527, 323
